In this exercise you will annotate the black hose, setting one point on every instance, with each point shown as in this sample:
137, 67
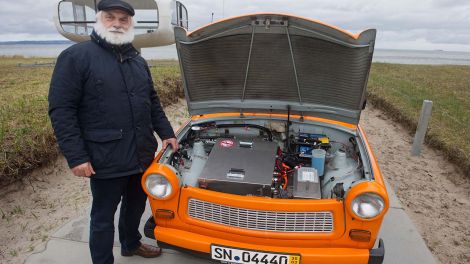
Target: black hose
287, 129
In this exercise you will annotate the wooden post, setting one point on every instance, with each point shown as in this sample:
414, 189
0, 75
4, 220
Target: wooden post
422, 128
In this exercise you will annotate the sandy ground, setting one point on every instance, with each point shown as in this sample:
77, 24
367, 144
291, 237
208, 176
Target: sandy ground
435, 195
33, 209
49, 197
433, 192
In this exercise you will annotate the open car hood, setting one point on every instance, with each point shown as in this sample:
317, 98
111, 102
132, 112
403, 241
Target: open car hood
275, 63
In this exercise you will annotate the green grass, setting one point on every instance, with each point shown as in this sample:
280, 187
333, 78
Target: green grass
25, 131
27, 140
166, 78
26, 136
401, 89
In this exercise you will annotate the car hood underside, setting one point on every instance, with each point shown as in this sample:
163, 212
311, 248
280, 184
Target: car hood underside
275, 64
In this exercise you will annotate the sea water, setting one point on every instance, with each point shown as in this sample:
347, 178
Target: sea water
433, 57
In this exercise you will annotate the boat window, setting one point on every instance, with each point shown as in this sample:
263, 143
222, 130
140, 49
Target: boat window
77, 17
146, 20
181, 15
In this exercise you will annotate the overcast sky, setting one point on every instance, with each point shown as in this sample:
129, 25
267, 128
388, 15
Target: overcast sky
400, 24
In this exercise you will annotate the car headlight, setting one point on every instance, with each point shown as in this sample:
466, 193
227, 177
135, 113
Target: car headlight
367, 205
158, 186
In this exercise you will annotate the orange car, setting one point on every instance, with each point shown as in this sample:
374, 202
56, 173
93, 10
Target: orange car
273, 166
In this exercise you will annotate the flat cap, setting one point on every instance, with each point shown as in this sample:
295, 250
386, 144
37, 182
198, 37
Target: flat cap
116, 4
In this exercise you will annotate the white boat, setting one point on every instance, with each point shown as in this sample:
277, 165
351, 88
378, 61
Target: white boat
154, 20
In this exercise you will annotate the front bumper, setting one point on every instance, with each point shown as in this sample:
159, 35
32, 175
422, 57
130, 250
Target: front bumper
199, 245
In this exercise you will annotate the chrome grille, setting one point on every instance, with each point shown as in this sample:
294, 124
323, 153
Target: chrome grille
276, 221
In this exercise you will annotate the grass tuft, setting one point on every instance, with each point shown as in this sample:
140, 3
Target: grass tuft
399, 90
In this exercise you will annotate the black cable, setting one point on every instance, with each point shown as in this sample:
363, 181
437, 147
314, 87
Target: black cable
287, 129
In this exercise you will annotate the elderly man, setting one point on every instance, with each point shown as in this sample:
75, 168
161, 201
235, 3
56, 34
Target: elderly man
104, 111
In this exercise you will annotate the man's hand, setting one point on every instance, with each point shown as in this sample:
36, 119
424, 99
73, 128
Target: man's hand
172, 142
83, 170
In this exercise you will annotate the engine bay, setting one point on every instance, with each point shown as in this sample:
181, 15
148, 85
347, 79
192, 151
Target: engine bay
270, 158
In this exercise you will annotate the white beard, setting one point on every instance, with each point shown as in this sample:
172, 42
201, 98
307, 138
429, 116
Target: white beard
111, 34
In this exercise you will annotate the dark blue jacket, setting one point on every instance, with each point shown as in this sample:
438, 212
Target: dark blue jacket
104, 108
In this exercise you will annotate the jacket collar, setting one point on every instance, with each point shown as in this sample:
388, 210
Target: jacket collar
122, 52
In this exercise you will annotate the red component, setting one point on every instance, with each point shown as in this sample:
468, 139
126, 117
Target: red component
227, 143
282, 169
285, 166
284, 176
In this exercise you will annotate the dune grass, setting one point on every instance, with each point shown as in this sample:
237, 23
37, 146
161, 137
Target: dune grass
401, 89
27, 140
26, 136
166, 78
25, 131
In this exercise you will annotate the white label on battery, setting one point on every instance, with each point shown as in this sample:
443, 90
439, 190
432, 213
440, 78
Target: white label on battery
309, 176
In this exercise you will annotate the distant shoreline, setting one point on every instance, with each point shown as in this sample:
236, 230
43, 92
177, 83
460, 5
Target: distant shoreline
68, 42
52, 49
36, 42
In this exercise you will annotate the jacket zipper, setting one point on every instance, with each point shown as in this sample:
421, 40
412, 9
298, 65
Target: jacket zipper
132, 113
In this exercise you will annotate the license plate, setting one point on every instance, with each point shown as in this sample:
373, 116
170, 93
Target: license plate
244, 256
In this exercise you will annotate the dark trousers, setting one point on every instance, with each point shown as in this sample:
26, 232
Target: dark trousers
107, 194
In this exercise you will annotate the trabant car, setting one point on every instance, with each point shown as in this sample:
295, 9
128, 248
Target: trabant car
272, 166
